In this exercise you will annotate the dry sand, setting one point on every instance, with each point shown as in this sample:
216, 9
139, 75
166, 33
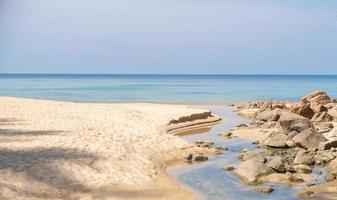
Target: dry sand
52, 149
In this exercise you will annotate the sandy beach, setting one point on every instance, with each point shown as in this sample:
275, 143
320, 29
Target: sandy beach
58, 150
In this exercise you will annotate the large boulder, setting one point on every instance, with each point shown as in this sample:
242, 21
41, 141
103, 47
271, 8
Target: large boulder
276, 141
251, 170
309, 139
270, 115
301, 125
287, 118
277, 163
303, 109
318, 97
304, 157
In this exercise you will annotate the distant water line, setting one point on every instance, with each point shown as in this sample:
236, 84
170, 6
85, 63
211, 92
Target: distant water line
204, 89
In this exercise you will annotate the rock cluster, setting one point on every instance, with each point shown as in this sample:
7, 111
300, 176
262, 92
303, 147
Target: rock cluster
303, 138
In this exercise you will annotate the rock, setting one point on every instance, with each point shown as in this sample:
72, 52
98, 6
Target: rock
324, 156
200, 158
325, 130
226, 134
242, 125
326, 125
317, 97
308, 139
287, 118
266, 105
189, 157
333, 112
300, 125
327, 145
303, 169
280, 105
256, 142
332, 171
305, 194
229, 168
276, 141
277, 164
269, 115
304, 157
322, 117
303, 109
291, 144
317, 107
250, 155
264, 190
291, 135
204, 144
251, 170
293, 178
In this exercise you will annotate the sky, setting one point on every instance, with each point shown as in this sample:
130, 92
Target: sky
168, 36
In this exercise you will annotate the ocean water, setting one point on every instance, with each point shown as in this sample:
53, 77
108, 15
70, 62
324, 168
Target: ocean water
208, 89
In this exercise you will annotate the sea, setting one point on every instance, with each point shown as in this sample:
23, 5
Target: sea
185, 89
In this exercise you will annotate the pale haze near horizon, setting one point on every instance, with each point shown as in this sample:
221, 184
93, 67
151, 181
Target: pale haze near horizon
168, 37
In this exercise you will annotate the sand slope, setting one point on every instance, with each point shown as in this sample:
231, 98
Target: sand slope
51, 149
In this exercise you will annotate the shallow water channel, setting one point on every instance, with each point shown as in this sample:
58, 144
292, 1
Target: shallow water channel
210, 180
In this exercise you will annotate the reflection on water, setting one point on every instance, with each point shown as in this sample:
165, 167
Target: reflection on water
211, 180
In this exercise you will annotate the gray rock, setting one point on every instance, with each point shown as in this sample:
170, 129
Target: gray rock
309, 139
300, 125
304, 169
269, 115
304, 157
251, 170
277, 141
277, 164
287, 118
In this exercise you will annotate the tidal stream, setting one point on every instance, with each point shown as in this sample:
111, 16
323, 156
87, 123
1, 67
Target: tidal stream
210, 180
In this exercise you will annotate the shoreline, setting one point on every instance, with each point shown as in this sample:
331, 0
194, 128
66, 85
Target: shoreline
161, 185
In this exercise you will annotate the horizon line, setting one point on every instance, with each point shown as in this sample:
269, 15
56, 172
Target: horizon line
168, 74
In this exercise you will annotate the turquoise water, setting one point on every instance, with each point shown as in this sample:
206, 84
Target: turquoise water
163, 88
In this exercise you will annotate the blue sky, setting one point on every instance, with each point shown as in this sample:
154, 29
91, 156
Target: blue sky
169, 36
